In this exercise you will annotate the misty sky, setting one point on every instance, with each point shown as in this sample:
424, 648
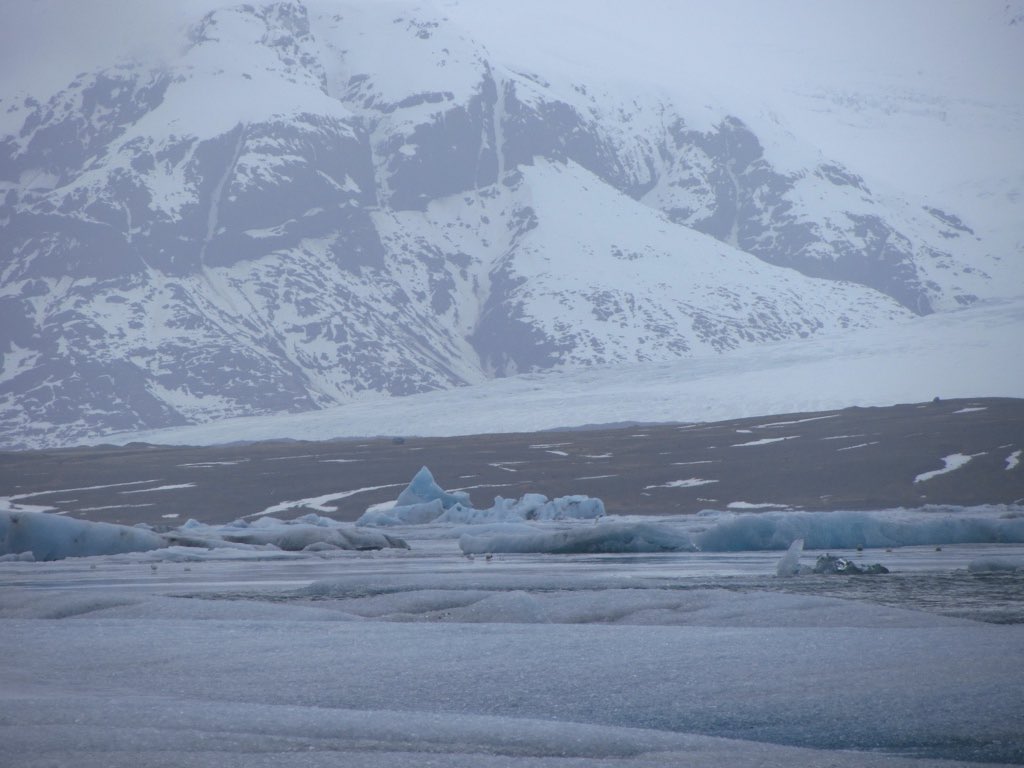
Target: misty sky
746, 56
50, 40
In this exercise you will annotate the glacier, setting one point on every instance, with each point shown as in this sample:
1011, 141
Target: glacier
968, 353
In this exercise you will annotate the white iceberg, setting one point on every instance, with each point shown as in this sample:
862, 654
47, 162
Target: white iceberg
789, 565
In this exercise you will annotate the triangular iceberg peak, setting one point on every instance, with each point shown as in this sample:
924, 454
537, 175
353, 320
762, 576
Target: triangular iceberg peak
423, 488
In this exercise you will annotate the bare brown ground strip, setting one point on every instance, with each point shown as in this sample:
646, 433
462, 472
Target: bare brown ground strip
856, 458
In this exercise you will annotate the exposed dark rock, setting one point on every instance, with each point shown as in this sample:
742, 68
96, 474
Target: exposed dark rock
830, 564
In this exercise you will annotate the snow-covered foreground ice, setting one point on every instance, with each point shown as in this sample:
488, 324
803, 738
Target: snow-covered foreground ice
426, 656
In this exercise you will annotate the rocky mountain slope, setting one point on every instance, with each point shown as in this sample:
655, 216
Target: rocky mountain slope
311, 200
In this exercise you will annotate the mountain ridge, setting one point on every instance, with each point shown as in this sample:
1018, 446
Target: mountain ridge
285, 216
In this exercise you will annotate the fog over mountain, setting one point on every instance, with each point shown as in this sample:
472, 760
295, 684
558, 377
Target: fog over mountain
235, 209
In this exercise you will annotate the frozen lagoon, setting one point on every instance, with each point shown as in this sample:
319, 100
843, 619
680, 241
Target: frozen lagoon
427, 657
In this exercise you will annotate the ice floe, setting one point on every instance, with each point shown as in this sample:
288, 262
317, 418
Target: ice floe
47, 536
531, 524
995, 565
754, 531
607, 538
53, 537
849, 530
307, 533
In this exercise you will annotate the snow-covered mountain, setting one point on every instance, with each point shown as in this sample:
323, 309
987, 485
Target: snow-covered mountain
305, 201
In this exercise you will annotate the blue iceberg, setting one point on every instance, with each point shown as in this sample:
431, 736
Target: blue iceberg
45, 536
424, 489
424, 501
53, 537
607, 538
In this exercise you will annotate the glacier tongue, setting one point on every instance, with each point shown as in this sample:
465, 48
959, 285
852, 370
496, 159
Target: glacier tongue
279, 218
